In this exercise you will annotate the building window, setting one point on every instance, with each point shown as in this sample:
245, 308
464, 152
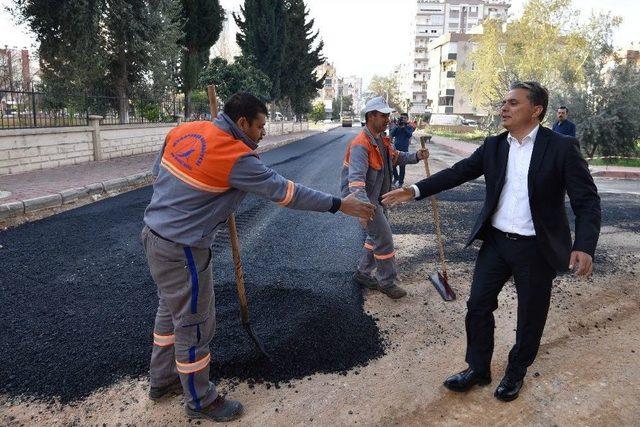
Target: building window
437, 20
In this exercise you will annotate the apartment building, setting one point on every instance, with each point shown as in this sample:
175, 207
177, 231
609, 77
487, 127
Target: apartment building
434, 19
352, 86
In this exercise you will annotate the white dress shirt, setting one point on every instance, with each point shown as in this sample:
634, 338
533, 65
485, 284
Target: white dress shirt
513, 214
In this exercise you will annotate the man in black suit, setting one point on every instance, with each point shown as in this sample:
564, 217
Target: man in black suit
524, 228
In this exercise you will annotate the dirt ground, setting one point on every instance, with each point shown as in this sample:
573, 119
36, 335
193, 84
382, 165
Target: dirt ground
587, 371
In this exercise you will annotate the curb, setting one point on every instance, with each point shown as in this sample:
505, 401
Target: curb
68, 197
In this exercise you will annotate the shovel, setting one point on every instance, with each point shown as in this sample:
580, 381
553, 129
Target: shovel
235, 249
440, 281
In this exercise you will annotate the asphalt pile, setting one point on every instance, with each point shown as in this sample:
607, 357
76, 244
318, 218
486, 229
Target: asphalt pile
78, 305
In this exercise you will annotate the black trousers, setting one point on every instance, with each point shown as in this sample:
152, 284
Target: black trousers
501, 257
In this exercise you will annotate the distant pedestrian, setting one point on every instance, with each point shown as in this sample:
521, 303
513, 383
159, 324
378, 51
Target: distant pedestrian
564, 126
401, 135
366, 173
204, 171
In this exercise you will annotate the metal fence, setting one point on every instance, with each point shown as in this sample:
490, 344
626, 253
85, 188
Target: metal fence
33, 109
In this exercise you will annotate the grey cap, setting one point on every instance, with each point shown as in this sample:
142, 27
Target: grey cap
378, 104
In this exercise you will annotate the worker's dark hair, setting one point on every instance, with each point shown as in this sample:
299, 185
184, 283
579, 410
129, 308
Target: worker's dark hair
562, 107
538, 95
404, 114
243, 104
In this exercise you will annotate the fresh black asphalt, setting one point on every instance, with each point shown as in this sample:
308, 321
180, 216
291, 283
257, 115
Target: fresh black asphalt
77, 303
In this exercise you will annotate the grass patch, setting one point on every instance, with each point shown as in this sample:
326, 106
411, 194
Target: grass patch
635, 163
475, 136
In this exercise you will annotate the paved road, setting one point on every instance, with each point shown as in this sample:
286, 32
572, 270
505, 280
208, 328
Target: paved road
77, 302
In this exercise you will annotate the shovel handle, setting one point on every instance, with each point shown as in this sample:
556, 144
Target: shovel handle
213, 101
436, 216
237, 264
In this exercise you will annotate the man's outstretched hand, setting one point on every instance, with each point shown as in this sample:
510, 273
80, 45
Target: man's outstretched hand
581, 264
395, 197
354, 207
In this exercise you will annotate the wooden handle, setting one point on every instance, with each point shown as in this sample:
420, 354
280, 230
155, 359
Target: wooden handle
436, 216
237, 264
213, 101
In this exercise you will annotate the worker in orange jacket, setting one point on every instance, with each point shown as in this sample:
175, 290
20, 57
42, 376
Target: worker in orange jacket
204, 171
367, 172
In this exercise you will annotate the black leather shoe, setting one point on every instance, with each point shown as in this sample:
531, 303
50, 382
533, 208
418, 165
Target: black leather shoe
508, 389
463, 381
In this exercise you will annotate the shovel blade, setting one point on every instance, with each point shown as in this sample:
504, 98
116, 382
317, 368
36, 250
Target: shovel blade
442, 286
256, 341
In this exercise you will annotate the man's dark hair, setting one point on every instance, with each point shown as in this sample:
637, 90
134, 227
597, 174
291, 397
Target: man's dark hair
404, 115
538, 95
243, 104
562, 107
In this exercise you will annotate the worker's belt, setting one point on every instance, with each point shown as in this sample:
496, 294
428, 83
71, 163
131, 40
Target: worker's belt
159, 236
512, 236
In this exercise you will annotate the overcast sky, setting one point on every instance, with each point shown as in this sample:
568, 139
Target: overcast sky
367, 37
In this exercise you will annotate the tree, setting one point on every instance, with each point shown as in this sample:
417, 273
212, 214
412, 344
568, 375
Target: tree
605, 105
347, 103
317, 113
242, 75
262, 25
202, 22
96, 46
546, 44
128, 32
70, 48
298, 81
388, 87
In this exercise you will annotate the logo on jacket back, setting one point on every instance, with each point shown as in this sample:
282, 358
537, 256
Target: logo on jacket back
188, 150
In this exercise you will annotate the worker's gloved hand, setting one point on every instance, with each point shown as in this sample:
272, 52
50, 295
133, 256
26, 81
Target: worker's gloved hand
395, 197
354, 207
423, 154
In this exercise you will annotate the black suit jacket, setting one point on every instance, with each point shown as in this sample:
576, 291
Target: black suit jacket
556, 168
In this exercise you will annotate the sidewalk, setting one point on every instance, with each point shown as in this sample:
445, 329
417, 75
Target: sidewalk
465, 149
65, 187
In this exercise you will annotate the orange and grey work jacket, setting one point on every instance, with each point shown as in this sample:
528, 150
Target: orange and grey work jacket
366, 170
204, 171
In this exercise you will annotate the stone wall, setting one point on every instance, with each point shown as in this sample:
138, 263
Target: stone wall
23, 150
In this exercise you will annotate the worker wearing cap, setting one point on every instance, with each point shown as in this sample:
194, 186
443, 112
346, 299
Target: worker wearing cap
204, 171
367, 173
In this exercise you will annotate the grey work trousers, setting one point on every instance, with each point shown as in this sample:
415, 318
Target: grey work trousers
185, 321
378, 252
